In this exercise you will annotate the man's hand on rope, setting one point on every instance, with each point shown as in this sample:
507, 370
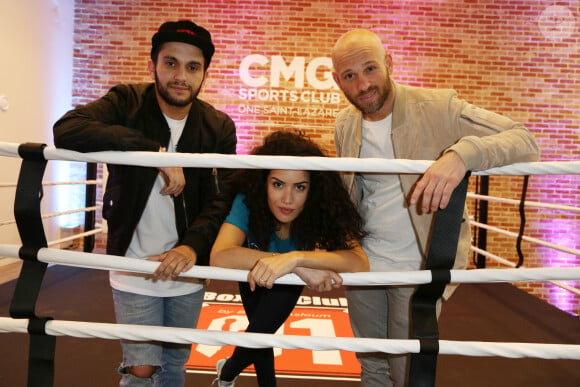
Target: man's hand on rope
434, 189
174, 262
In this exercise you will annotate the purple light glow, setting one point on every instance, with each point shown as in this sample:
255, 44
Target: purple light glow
558, 232
562, 298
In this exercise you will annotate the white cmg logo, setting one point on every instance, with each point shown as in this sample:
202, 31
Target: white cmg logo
317, 74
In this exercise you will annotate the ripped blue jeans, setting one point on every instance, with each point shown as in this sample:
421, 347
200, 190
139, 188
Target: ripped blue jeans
168, 358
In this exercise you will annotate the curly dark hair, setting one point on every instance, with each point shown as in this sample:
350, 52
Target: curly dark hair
329, 219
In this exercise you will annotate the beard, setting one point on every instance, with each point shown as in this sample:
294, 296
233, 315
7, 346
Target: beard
164, 93
383, 93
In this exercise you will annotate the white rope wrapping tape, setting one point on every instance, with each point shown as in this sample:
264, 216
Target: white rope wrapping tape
210, 160
261, 340
113, 262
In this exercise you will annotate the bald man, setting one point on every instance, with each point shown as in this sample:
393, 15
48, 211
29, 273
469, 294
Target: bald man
390, 120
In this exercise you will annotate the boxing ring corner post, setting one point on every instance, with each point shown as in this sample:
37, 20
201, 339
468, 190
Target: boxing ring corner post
29, 193
440, 259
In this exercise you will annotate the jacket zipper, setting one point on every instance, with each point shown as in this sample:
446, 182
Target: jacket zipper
214, 172
184, 211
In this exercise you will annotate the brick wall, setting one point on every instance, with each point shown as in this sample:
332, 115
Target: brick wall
507, 56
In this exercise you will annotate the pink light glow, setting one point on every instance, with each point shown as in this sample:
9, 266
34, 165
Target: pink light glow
560, 232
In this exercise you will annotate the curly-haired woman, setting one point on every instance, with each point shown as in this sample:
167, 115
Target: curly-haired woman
285, 221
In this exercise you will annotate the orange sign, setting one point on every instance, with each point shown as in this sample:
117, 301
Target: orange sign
304, 321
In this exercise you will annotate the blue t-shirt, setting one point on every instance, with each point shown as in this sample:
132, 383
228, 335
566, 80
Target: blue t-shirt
239, 216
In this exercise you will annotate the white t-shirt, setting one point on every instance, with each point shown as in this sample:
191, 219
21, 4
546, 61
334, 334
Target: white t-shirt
391, 243
155, 234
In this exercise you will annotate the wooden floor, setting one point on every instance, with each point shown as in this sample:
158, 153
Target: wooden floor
9, 269
476, 312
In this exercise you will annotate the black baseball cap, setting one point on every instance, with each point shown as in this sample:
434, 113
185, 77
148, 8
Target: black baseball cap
183, 31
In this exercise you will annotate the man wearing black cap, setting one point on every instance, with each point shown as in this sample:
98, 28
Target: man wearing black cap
165, 214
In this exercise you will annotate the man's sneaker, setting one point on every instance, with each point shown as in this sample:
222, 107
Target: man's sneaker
222, 383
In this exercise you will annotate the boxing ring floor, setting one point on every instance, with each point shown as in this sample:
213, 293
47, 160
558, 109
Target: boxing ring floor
479, 312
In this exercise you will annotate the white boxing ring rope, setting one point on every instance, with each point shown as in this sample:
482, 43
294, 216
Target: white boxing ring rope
527, 203
114, 262
512, 264
211, 160
69, 238
55, 214
176, 335
526, 238
52, 183
261, 340
155, 159
75, 236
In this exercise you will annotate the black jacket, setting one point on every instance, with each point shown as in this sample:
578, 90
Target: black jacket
128, 118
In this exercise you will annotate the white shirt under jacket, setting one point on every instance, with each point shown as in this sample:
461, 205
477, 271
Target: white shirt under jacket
155, 234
